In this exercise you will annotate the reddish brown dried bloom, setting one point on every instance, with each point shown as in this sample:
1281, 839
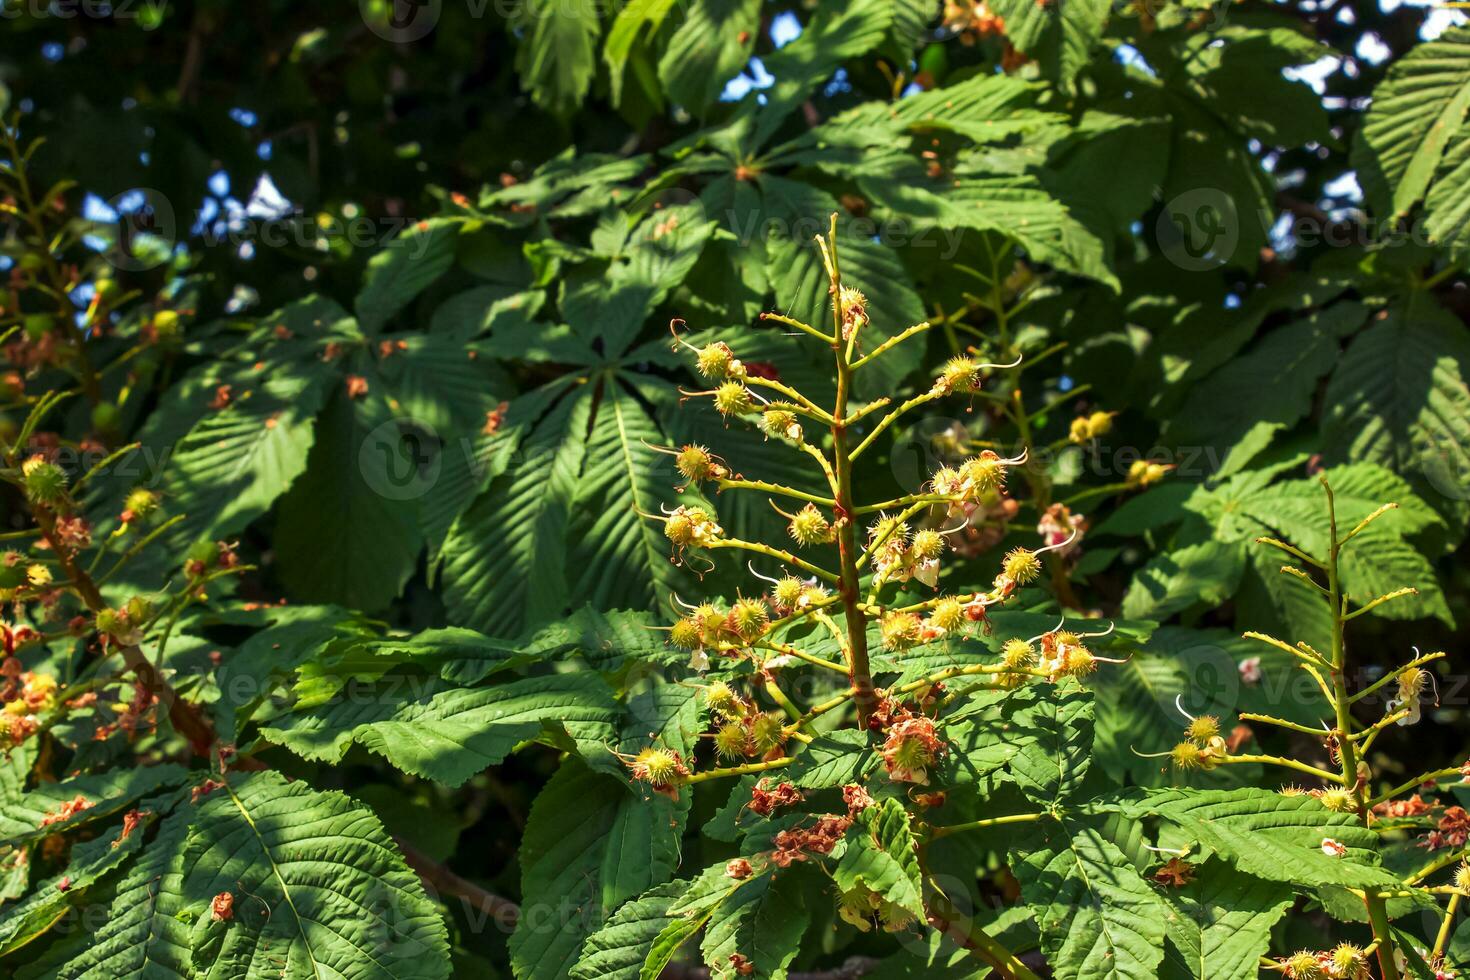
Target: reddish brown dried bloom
1414, 806
1176, 873
22, 727
739, 869
357, 386
131, 820
494, 418
222, 907
741, 965
73, 532
223, 395
856, 798
797, 843
1453, 830
764, 801
204, 789
68, 810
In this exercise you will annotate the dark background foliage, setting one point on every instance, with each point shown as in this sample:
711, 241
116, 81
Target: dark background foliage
1314, 338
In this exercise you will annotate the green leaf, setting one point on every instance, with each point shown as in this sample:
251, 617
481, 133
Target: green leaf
1399, 396
1172, 581
319, 888
1275, 382
557, 56
1060, 36
837, 32
1242, 81
1016, 206
142, 938
404, 268
989, 729
619, 950
621, 558
515, 534
443, 732
1054, 762
1379, 560
609, 306
1418, 110
236, 461
836, 758
48, 901
1220, 924
589, 846
1271, 836
348, 528
630, 22
1099, 920
108, 793
881, 856
711, 46
763, 921
795, 267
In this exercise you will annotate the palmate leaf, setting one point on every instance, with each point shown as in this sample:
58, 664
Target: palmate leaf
1447, 208
503, 560
620, 560
404, 268
1269, 835
763, 920
348, 528
1051, 766
1018, 207
472, 461
1098, 918
142, 937
622, 947
711, 46
837, 32
590, 845
557, 57
109, 793
320, 890
1379, 560
235, 462
609, 306
988, 730
1418, 111
983, 109
1399, 396
881, 857
1060, 36
1220, 924
440, 731
1171, 581
1274, 382
834, 759
48, 901
633, 20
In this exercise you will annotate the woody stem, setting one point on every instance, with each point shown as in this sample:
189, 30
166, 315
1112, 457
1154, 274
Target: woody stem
859, 672
186, 718
1347, 751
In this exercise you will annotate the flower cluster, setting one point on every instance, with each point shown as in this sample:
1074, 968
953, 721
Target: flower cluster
1343, 962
